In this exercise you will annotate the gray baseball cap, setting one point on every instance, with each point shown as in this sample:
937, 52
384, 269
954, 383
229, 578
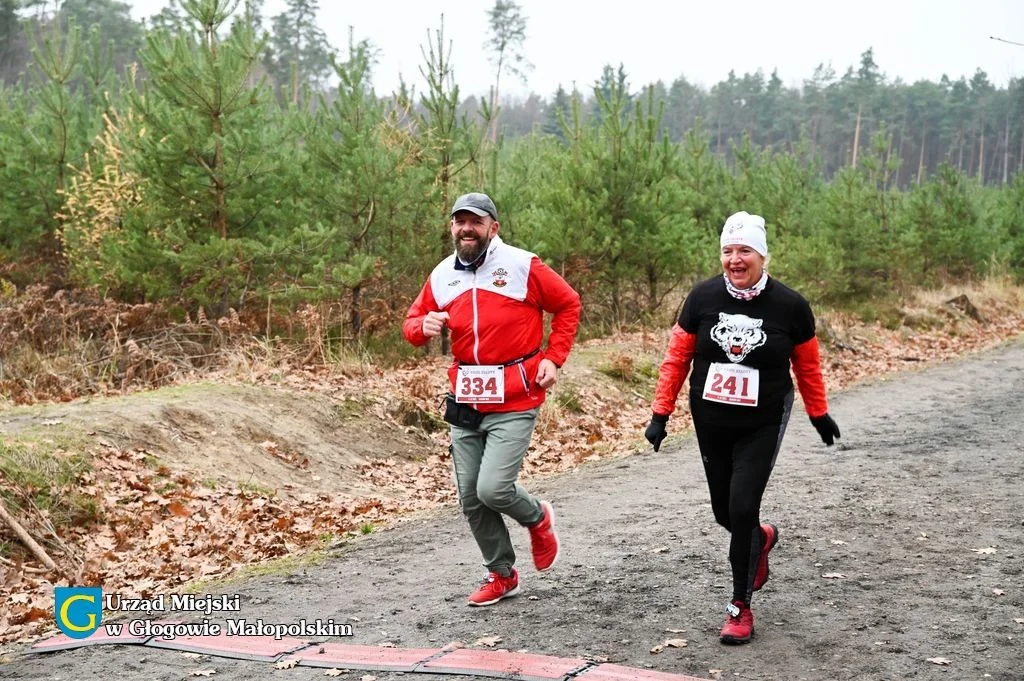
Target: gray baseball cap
477, 203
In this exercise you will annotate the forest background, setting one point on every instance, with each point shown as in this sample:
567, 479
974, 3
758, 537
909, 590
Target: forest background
211, 163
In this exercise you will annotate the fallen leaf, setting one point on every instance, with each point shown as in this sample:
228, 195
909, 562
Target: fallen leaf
998, 592
838, 542
335, 672
454, 645
203, 672
833, 575
657, 649
286, 664
661, 549
489, 641
368, 677
938, 660
987, 549
179, 509
676, 642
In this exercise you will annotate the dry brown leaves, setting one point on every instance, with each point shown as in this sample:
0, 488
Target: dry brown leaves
157, 536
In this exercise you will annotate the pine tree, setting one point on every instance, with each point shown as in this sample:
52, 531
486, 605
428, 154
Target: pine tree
171, 19
555, 114
206, 151
357, 178
450, 143
508, 33
299, 46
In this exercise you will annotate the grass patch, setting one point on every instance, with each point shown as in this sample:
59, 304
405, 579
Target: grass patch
885, 313
285, 565
349, 408
568, 397
45, 477
256, 488
625, 368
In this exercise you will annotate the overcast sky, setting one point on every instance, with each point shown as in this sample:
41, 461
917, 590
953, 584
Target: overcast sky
570, 40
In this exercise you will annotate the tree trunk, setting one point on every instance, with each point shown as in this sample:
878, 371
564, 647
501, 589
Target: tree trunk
856, 136
218, 218
993, 164
1006, 150
494, 102
652, 289
971, 148
888, 157
446, 344
920, 160
356, 319
960, 158
1020, 155
981, 157
899, 152
616, 302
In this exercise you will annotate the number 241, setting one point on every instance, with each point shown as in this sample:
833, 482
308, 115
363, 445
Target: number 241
718, 385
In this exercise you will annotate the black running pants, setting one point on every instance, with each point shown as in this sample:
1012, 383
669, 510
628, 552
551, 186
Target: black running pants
738, 461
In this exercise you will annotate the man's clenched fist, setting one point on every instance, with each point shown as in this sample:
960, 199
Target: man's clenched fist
433, 323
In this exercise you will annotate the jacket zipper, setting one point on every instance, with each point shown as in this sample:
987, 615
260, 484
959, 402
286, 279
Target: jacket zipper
476, 325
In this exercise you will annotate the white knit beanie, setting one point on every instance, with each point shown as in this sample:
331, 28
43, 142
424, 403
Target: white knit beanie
745, 229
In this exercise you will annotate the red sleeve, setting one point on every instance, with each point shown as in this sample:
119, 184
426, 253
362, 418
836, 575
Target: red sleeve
807, 367
561, 300
412, 327
674, 369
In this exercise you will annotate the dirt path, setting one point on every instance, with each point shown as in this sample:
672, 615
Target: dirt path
930, 472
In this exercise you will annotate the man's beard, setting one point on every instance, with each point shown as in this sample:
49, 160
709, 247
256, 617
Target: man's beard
469, 252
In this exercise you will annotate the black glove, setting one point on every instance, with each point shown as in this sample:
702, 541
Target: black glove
655, 432
826, 427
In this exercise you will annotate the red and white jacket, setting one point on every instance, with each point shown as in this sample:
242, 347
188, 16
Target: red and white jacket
496, 316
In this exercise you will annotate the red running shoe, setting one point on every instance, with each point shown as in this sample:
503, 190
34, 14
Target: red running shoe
739, 623
543, 540
769, 538
495, 588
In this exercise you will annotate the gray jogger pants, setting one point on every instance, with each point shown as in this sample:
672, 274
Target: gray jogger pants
487, 463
